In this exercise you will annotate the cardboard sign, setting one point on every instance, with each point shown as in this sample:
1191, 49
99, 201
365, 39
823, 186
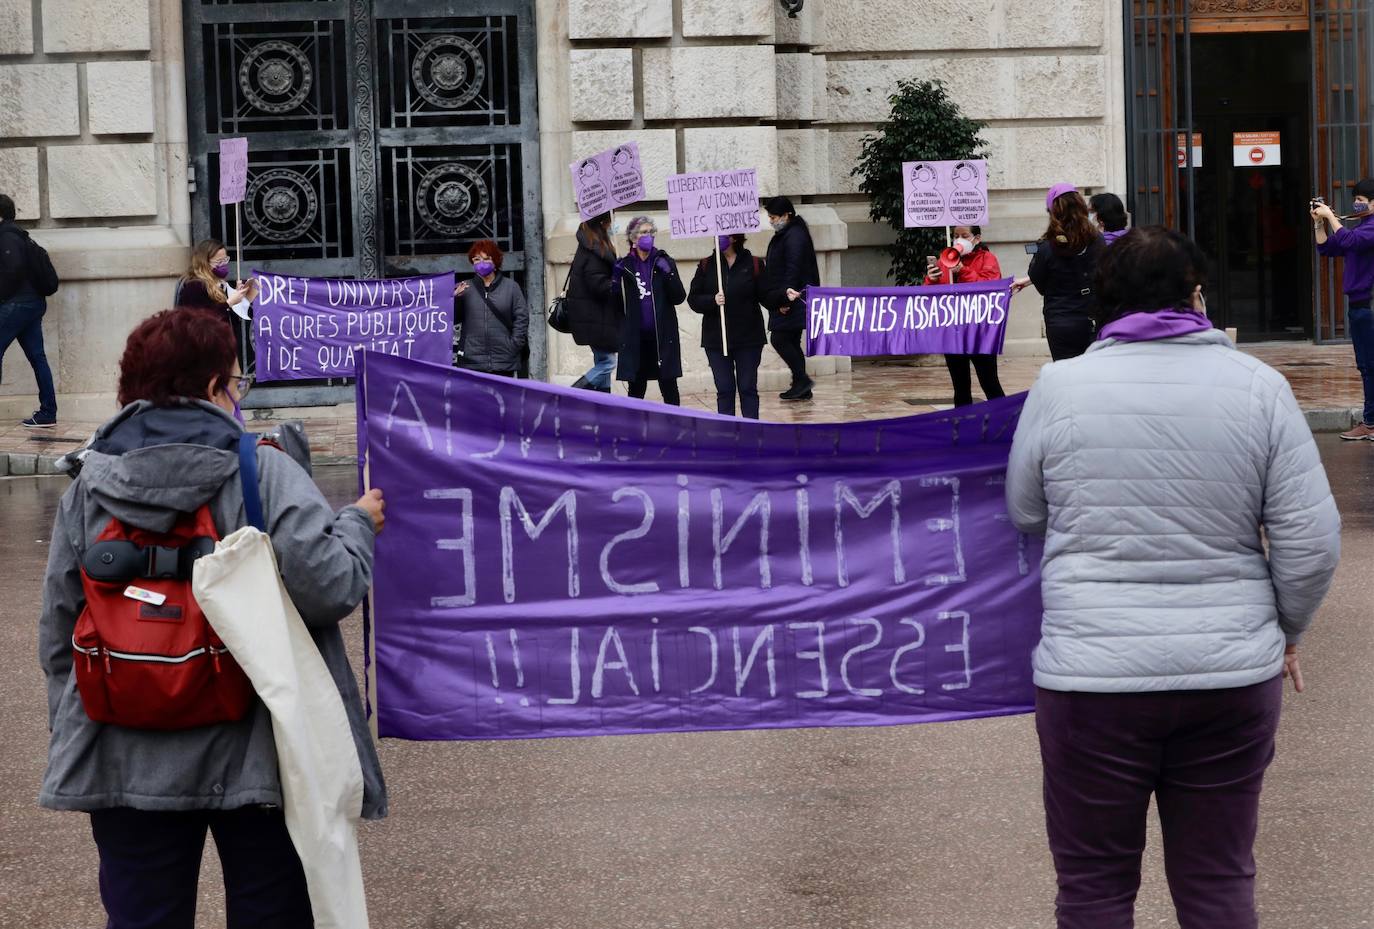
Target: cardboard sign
1255, 149
1183, 150
945, 193
713, 203
608, 180
233, 170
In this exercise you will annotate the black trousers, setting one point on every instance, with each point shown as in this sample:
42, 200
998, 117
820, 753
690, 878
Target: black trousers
1069, 337
648, 366
986, 368
737, 371
787, 343
150, 866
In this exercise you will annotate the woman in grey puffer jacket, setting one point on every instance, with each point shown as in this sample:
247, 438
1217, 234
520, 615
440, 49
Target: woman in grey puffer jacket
1158, 465
493, 316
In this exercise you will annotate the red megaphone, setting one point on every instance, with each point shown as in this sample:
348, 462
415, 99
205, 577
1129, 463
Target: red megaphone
949, 258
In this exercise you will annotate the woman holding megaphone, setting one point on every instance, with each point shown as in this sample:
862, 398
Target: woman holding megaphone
966, 261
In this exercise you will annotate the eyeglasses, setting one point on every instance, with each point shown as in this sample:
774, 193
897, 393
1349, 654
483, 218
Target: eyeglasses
245, 383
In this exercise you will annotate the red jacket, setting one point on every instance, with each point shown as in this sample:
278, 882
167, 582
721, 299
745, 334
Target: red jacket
980, 266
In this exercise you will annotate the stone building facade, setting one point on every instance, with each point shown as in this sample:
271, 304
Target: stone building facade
95, 143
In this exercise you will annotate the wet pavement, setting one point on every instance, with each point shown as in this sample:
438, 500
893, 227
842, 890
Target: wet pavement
916, 827
1323, 378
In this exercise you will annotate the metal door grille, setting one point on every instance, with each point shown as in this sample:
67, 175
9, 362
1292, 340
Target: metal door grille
385, 137
1160, 110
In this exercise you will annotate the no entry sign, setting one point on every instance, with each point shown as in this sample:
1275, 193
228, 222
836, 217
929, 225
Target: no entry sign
1255, 149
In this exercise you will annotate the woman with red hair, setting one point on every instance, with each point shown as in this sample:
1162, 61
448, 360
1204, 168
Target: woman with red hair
153, 793
492, 314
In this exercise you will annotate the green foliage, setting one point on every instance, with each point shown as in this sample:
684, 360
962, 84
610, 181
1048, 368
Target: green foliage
925, 125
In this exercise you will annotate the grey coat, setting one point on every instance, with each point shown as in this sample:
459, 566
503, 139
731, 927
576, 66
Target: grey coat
486, 344
1189, 528
144, 467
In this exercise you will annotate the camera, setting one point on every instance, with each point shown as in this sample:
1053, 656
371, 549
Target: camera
1315, 202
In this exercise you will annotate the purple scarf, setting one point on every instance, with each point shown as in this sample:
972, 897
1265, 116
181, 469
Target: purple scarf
1146, 326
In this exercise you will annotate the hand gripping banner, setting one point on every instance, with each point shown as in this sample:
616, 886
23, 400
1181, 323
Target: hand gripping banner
560, 563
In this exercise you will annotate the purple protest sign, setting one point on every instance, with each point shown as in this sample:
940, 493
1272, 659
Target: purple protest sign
608, 180
233, 169
558, 564
952, 319
627, 175
312, 327
713, 203
945, 193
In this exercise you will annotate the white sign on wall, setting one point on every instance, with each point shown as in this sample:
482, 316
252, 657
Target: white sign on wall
1255, 149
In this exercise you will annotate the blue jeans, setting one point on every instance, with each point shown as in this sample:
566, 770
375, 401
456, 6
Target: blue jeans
23, 320
1359, 323
738, 370
603, 366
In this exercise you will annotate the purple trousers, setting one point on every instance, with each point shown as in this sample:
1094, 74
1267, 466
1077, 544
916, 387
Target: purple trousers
150, 865
1202, 753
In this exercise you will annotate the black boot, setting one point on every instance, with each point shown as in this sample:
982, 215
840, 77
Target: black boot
798, 391
581, 382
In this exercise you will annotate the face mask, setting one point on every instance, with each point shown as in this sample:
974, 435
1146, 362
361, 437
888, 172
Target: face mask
778, 225
963, 246
645, 243
1359, 207
723, 241
220, 270
484, 268
1092, 218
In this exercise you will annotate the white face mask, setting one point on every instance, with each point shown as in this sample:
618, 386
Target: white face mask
964, 246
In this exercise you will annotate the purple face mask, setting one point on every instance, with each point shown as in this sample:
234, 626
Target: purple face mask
645, 243
484, 268
1359, 206
220, 270
723, 241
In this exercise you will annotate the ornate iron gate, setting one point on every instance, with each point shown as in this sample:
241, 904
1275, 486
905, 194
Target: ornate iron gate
1159, 113
385, 137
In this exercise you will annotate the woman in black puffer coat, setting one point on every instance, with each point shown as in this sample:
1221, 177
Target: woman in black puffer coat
594, 321
791, 268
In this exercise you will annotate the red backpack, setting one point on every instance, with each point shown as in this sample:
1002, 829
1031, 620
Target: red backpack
144, 653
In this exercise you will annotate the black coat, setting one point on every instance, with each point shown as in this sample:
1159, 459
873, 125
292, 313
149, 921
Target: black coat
486, 342
1066, 281
594, 321
743, 318
14, 264
668, 292
791, 264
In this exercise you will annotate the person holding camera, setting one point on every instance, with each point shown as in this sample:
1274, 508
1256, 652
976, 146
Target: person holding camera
1356, 246
976, 263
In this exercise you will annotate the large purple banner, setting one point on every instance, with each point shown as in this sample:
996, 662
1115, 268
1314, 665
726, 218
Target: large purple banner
952, 319
313, 327
560, 563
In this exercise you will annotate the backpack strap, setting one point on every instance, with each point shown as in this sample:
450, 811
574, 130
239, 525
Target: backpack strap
248, 477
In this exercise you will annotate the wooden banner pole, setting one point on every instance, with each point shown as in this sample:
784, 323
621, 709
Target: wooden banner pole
720, 286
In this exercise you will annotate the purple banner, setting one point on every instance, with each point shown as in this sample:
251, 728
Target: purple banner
951, 319
313, 327
945, 193
559, 563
